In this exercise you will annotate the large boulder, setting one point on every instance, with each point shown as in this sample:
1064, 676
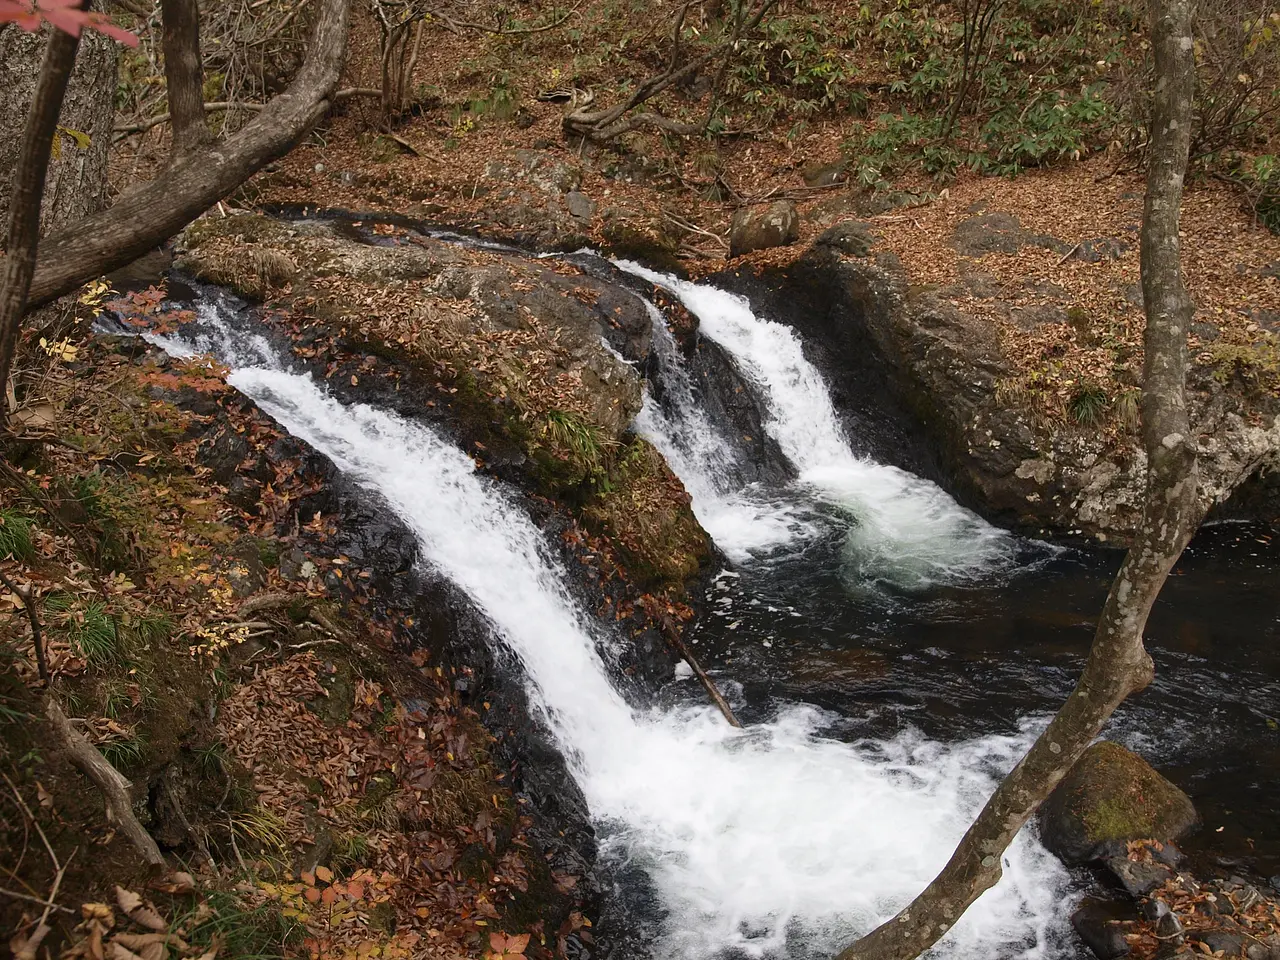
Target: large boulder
1111, 797
758, 228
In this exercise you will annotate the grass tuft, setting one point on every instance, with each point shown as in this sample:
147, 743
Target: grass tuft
95, 637
1089, 404
15, 536
219, 921
126, 753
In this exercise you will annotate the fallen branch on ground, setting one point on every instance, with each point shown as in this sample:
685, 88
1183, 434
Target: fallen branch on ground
110, 781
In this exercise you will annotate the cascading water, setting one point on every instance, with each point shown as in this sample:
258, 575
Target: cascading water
772, 840
743, 522
907, 531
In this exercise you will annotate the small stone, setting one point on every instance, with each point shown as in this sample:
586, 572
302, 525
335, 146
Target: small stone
1154, 909
580, 205
1231, 944
1138, 878
1103, 248
825, 174
1102, 925
759, 228
985, 233
1169, 927
852, 238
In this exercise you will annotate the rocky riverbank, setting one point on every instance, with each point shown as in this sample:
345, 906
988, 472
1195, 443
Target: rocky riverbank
1114, 812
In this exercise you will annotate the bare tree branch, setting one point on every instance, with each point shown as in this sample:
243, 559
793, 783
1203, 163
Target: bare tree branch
147, 217
27, 596
115, 788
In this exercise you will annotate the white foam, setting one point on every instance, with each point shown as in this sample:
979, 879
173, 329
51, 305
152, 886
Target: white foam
744, 522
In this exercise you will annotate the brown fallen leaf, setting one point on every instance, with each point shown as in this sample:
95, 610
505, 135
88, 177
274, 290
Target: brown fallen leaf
128, 900
116, 951
99, 912
178, 882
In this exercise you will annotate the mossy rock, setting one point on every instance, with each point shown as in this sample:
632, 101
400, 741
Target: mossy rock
1110, 797
648, 514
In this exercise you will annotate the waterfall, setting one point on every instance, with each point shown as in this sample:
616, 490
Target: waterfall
906, 530
771, 840
743, 522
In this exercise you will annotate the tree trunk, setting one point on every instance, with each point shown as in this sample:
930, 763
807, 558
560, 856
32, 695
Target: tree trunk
184, 75
1118, 664
27, 193
76, 185
148, 216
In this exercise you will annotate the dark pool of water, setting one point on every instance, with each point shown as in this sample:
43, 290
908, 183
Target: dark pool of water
960, 662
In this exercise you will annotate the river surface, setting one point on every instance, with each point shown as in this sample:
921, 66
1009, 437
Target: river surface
891, 654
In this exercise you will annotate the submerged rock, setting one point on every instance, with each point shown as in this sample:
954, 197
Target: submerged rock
1111, 797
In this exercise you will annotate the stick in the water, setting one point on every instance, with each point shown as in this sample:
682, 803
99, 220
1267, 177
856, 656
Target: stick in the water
672, 633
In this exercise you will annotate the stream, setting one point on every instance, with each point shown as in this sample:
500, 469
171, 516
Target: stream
891, 654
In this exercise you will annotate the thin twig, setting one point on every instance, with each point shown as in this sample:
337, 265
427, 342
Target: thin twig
1067, 256
37, 640
5, 892
130, 129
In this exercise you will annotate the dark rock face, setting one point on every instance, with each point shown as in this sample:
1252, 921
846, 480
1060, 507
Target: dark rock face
1110, 797
758, 228
730, 400
826, 302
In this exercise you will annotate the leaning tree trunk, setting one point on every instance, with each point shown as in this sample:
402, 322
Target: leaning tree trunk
29, 177
1118, 664
76, 185
152, 213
